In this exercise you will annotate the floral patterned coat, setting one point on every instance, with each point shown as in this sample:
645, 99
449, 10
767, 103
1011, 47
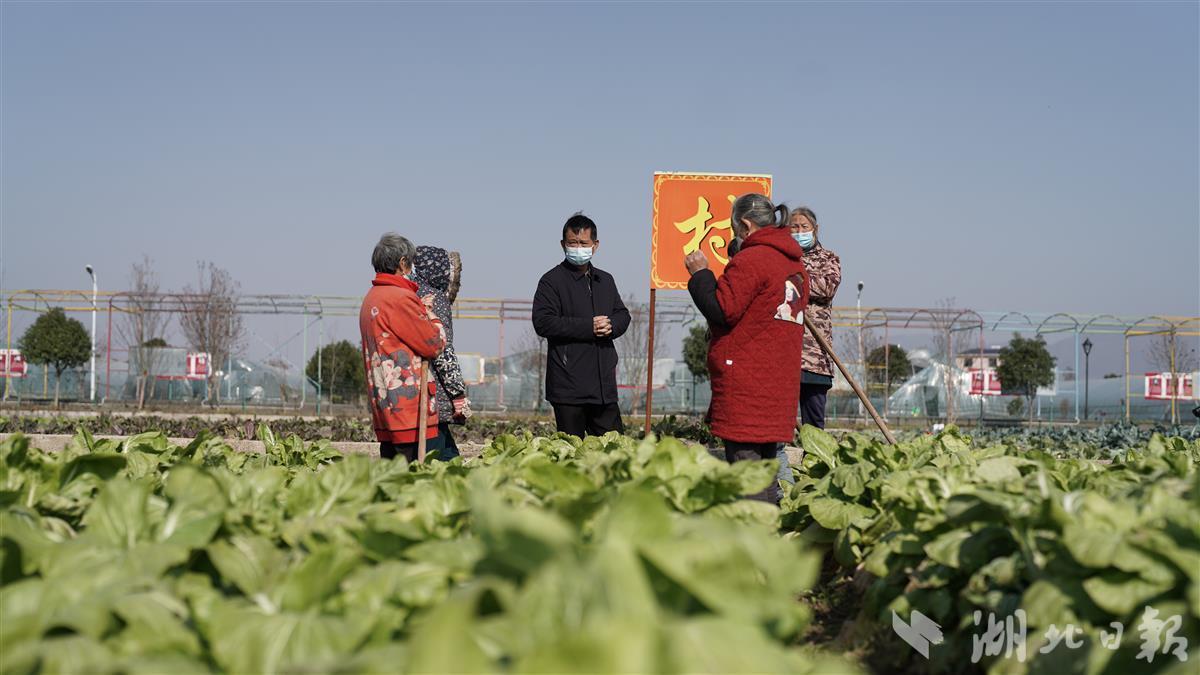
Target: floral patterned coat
397, 334
824, 276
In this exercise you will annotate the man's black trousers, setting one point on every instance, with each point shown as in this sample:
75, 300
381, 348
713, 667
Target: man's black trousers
589, 418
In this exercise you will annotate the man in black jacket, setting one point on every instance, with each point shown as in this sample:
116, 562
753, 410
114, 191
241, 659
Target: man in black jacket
578, 310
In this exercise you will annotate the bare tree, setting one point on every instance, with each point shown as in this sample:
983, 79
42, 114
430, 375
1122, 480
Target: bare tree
632, 349
142, 329
210, 321
847, 346
948, 343
846, 343
1159, 354
530, 352
284, 368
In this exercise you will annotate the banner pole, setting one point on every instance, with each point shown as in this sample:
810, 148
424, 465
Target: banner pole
650, 362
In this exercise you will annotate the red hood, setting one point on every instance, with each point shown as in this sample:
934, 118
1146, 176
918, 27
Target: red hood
384, 279
778, 238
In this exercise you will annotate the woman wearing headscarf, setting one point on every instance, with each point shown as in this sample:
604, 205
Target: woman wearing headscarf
437, 273
756, 314
824, 276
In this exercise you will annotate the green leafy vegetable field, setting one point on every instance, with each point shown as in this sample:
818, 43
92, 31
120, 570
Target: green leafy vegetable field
544, 555
550, 554
960, 533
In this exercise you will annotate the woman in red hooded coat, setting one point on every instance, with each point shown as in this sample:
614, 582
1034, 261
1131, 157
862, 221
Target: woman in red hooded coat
755, 312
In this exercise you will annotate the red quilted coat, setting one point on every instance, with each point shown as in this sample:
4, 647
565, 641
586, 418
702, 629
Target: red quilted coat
754, 359
397, 333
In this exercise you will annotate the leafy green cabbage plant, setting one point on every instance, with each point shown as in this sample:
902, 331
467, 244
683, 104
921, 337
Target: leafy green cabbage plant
949, 529
543, 555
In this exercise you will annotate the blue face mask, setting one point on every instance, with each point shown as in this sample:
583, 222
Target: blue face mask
805, 239
579, 255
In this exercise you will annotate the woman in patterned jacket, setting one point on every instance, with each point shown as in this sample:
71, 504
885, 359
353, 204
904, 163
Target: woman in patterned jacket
824, 275
437, 272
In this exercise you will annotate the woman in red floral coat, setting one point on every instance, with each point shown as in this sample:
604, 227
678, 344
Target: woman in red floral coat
398, 332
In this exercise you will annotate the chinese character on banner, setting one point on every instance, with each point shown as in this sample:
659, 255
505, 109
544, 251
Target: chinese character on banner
1152, 630
691, 213
1008, 637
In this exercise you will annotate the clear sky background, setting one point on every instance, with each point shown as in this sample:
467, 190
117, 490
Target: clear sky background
1016, 156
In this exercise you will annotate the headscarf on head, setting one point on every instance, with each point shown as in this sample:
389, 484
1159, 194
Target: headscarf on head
431, 266
439, 269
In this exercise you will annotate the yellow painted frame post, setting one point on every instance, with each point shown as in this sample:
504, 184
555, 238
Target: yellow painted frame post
8, 330
1175, 382
1127, 376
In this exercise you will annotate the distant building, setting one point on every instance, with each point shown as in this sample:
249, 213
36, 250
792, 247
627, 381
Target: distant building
988, 359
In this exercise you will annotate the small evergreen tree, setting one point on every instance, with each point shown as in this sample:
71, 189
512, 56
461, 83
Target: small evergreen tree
695, 355
1025, 365
695, 352
343, 371
57, 341
1015, 407
894, 360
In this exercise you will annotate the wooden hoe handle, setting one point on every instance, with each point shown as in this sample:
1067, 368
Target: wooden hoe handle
887, 434
423, 413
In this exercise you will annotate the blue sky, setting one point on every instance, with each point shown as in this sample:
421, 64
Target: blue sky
1024, 156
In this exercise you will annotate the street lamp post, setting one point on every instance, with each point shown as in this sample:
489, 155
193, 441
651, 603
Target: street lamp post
92, 273
1087, 350
862, 359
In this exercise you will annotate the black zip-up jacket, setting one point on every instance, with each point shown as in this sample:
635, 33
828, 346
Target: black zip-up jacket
580, 367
